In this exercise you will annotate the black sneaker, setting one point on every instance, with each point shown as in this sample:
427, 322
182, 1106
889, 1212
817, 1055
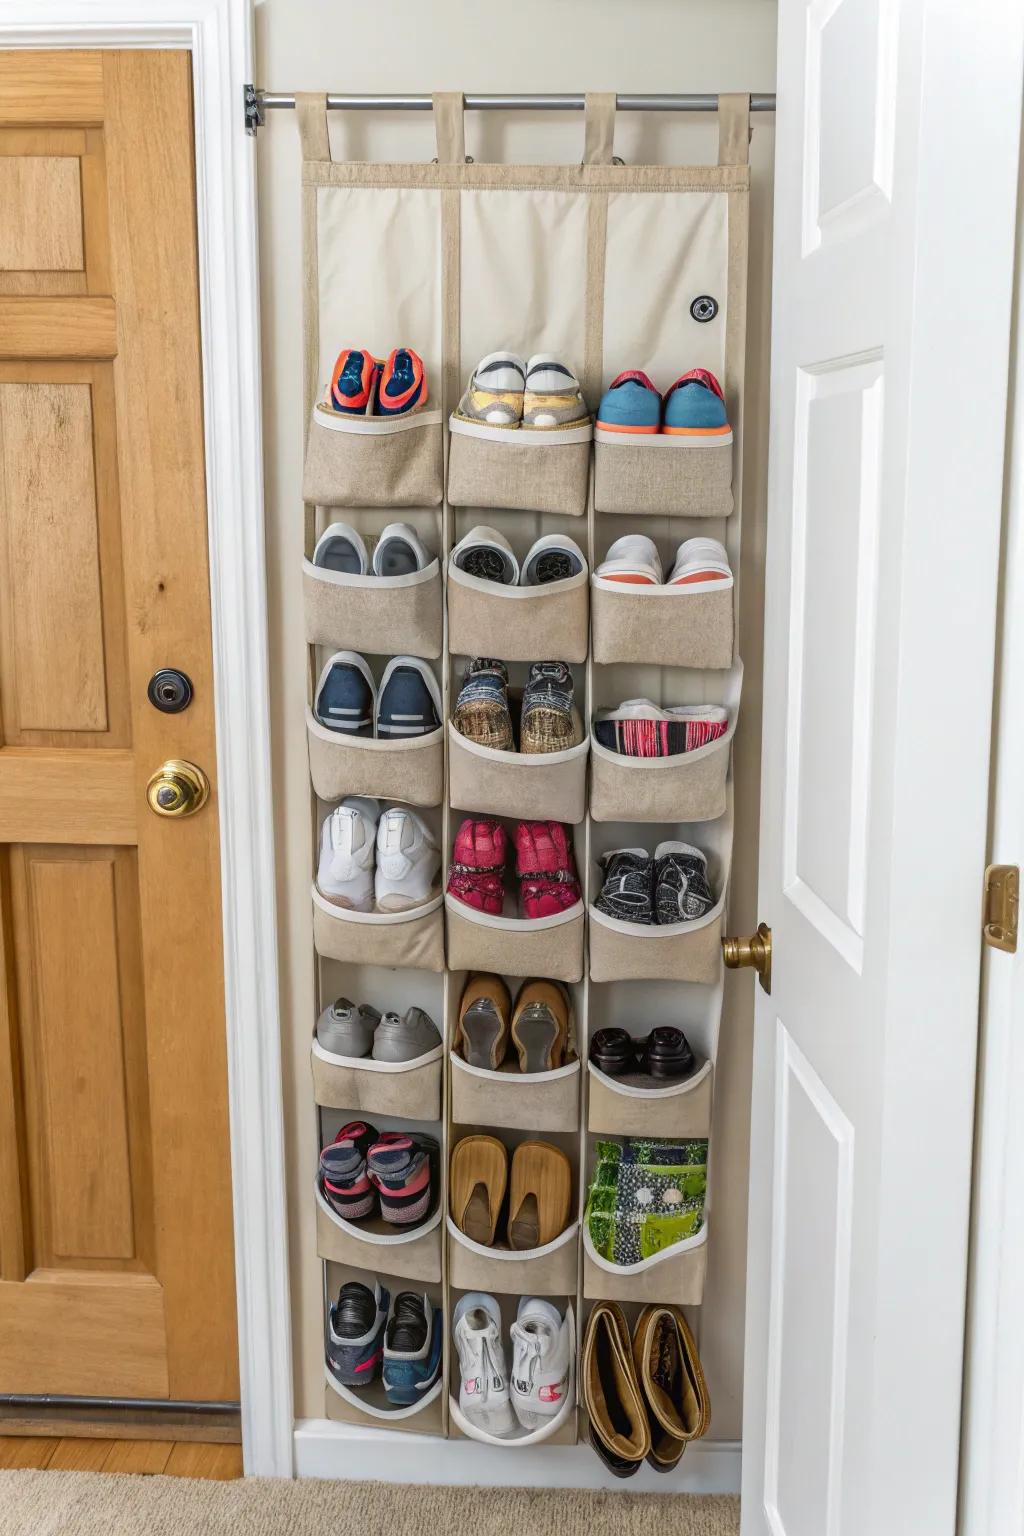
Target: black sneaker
667, 1053
613, 1052
628, 889
681, 889
355, 1333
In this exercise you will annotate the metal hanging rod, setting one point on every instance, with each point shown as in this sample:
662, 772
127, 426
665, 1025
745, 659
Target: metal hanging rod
258, 102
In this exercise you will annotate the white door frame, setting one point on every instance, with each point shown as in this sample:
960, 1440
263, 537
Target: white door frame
218, 34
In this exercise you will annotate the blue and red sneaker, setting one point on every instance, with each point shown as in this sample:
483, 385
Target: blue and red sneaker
630, 404
343, 1173
412, 1349
403, 383
355, 1333
400, 1169
354, 382
695, 407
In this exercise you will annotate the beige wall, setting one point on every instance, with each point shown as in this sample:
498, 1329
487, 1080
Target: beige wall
533, 45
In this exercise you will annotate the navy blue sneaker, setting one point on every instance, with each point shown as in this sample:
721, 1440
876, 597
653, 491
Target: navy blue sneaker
412, 1349
409, 702
355, 1333
345, 697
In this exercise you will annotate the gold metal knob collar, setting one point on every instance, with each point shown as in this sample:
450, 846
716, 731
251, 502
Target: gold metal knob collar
178, 788
755, 951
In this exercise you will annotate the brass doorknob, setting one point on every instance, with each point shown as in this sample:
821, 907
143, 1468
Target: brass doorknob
178, 788
755, 951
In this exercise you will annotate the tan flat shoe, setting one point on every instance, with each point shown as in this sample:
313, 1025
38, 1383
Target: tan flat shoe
481, 1036
672, 1383
540, 1026
539, 1194
619, 1430
477, 1179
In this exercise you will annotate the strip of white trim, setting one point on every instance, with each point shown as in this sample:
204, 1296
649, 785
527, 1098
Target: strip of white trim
395, 1239
498, 589
386, 1415
515, 1079
521, 759
628, 1090
523, 437
673, 1251
367, 1063
635, 590
344, 741
657, 930
378, 583
376, 919
675, 761
513, 924
372, 426
514, 1255
660, 439
327, 1449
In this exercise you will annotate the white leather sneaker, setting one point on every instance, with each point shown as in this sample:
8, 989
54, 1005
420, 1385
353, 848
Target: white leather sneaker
483, 1374
633, 559
408, 860
345, 873
541, 1350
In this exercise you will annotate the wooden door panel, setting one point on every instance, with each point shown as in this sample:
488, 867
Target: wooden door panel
116, 1255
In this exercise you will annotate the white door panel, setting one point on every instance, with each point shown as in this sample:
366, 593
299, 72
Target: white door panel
894, 228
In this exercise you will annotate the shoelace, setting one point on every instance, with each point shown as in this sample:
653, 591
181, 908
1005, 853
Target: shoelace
530, 1362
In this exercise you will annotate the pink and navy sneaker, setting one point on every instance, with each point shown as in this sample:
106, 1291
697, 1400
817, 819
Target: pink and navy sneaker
548, 883
343, 1171
400, 1169
478, 862
355, 1333
403, 383
354, 382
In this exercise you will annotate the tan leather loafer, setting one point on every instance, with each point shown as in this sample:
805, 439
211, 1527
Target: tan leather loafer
540, 1026
672, 1382
482, 1033
539, 1194
477, 1179
619, 1430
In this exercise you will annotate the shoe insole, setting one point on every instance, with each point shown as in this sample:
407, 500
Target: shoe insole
540, 1192
487, 564
551, 565
481, 1026
478, 1175
340, 555
396, 558
536, 1034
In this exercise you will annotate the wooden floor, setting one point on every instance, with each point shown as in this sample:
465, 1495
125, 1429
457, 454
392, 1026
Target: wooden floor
175, 1459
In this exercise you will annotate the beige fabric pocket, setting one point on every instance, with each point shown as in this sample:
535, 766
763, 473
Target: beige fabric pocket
515, 946
378, 1247
545, 1101
674, 952
547, 1271
411, 771
560, 1429
369, 1406
689, 786
381, 615
675, 1274
658, 473
663, 626
524, 784
629, 1106
518, 470
485, 618
373, 461
413, 940
408, 1089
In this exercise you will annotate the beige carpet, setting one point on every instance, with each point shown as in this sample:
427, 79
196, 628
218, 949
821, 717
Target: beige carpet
92, 1504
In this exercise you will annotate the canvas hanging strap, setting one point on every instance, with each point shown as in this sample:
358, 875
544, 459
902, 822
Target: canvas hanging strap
311, 110
449, 126
599, 133
733, 128
599, 141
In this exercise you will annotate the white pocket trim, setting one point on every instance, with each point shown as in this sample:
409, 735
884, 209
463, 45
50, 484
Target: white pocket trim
373, 426
356, 1401
660, 439
674, 1250
630, 1091
499, 590
371, 743
690, 589
376, 583
377, 1239
531, 1436
512, 924
535, 437
657, 930
513, 1255
514, 1079
367, 1064
676, 760
380, 919
518, 759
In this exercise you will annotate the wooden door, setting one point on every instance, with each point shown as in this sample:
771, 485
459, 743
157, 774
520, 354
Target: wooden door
116, 1264
898, 138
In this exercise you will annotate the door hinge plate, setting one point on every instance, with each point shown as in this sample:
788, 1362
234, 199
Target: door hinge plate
1002, 906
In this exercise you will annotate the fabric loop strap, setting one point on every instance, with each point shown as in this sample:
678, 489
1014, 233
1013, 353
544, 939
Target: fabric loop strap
450, 127
311, 109
599, 137
733, 129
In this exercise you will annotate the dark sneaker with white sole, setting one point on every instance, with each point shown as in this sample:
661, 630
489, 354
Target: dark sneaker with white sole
355, 1333
409, 701
681, 889
627, 891
412, 1349
345, 1030
345, 698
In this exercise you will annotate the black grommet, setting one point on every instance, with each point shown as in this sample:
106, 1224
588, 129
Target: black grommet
170, 691
704, 308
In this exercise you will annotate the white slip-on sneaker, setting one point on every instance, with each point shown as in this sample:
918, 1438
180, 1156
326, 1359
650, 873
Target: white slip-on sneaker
408, 860
487, 554
494, 395
347, 842
633, 560
340, 548
400, 551
483, 1374
553, 397
541, 1350
554, 557
699, 560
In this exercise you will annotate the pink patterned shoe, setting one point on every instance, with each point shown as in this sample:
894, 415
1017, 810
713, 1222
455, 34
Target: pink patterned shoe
477, 889
546, 870
478, 863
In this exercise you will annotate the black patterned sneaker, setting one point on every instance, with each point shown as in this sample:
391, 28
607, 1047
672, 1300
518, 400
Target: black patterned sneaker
681, 889
550, 721
628, 889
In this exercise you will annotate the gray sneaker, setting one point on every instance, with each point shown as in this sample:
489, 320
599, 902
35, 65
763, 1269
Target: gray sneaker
405, 1038
345, 1030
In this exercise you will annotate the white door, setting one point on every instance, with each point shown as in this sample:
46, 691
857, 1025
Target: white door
898, 132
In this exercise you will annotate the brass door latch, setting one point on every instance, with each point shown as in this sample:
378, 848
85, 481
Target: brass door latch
1002, 907
178, 789
755, 951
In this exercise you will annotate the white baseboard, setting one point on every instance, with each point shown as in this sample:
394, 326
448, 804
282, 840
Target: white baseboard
326, 1449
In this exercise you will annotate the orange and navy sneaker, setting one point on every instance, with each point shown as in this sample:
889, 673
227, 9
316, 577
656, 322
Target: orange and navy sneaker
695, 407
354, 382
403, 383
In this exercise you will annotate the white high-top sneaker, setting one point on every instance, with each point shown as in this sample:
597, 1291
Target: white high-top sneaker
540, 1362
408, 860
345, 874
483, 1374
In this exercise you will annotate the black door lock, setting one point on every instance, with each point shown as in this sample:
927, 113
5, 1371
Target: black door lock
170, 690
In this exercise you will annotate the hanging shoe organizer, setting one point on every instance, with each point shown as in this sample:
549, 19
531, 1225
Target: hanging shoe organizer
608, 267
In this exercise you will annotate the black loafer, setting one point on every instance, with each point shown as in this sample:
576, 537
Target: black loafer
668, 1053
613, 1052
